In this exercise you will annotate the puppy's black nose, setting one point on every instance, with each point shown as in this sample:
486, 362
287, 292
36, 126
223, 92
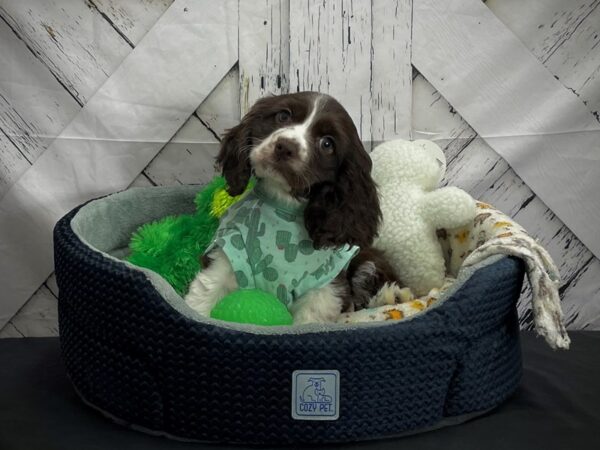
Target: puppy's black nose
285, 149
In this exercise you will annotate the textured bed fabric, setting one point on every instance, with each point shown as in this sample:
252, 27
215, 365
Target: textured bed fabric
110, 221
131, 354
554, 408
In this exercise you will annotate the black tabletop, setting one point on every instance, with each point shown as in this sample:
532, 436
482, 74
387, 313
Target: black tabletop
556, 407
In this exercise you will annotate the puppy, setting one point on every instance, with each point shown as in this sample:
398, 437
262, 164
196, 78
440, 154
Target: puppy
304, 233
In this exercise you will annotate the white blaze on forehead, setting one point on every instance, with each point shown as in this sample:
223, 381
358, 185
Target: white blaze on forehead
299, 133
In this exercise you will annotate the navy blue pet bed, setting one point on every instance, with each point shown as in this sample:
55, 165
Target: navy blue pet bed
136, 352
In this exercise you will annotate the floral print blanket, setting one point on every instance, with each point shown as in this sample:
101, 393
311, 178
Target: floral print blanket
491, 233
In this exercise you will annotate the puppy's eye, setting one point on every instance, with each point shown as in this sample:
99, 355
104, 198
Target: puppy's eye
283, 116
327, 144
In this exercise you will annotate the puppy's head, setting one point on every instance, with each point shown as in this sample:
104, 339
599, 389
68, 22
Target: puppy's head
307, 146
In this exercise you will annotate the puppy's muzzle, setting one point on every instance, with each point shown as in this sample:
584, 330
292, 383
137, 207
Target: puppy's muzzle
285, 150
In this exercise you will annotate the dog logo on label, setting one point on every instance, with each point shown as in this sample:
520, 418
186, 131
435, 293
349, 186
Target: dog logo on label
315, 394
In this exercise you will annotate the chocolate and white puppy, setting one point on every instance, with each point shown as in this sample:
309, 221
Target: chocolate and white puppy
306, 150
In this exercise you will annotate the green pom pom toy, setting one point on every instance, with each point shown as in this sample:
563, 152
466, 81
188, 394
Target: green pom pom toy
252, 306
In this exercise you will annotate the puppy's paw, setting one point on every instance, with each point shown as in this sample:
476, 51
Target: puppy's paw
391, 294
404, 295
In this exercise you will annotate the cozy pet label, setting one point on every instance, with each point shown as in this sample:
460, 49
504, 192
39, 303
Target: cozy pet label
315, 394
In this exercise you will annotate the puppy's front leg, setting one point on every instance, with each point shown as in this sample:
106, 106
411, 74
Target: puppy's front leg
322, 305
211, 284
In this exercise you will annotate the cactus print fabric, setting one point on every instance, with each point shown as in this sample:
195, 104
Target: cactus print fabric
270, 249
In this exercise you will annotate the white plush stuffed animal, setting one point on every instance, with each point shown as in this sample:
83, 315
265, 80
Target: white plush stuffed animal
408, 173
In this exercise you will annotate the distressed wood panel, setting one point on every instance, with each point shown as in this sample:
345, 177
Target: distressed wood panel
580, 298
79, 47
517, 200
564, 35
50, 283
38, 105
478, 169
188, 158
141, 180
218, 112
457, 142
38, 318
330, 52
34, 107
548, 29
221, 109
122, 149
10, 331
453, 115
513, 110
511, 195
12, 163
55, 99
434, 118
128, 22
543, 26
183, 161
391, 70
264, 39
131, 19
174, 164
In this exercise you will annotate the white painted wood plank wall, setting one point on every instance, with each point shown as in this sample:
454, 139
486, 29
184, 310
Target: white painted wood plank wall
67, 54
211, 138
328, 42
476, 167
391, 70
264, 50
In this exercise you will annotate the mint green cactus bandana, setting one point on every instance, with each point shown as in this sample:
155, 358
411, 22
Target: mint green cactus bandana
270, 249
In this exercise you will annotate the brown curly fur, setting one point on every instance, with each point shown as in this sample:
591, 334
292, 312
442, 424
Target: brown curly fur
346, 210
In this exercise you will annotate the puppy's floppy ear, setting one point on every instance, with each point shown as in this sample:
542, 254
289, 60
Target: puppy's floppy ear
346, 211
233, 157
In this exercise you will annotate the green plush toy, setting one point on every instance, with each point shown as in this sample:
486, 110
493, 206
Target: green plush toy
173, 245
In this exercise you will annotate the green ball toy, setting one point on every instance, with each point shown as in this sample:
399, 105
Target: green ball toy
252, 306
